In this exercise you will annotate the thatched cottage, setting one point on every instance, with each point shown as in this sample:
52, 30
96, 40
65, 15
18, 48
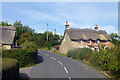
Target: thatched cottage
7, 34
84, 38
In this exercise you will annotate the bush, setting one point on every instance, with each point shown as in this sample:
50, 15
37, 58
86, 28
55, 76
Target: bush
10, 69
29, 45
23, 56
108, 60
80, 54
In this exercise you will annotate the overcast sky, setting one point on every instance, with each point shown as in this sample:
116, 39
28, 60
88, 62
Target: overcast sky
78, 14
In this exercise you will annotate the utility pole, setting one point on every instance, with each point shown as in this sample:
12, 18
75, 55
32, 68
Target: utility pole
47, 31
55, 31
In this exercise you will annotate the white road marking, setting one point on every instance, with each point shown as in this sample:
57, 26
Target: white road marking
60, 62
69, 78
65, 69
53, 58
46, 54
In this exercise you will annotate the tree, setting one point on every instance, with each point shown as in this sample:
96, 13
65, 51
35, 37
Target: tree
25, 37
2, 23
20, 29
115, 41
41, 39
112, 35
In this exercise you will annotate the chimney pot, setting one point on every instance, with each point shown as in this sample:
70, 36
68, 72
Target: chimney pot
66, 25
96, 27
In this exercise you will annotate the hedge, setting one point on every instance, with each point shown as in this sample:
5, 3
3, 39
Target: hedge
23, 56
10, 69
80, 54
106, 60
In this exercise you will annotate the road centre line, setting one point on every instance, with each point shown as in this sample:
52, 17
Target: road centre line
69, 78
65, 70
46, 54
53, 58
60, 62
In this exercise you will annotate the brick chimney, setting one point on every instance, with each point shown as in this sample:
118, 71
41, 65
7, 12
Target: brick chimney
96, 27
66, 25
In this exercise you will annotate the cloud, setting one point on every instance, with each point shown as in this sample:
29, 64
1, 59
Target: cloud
109, 29
79, 15
38, 15
40, 31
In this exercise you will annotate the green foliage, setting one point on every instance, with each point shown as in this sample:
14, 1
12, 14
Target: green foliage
25, 37
23, 56
22, 31
107, 60
80, 54
41, 40
29, 45
25, 33
10, 69
115, 41
101, 59
5, 24
112, 35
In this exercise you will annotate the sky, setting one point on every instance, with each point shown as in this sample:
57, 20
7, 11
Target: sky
78, 14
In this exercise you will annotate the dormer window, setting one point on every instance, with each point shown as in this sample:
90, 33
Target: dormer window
96, 42
88, 42
80, 41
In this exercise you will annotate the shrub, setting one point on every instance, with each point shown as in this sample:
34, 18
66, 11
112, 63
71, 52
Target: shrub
29, 45
80, 54
114, 62
23, 56
108, 60
10, 69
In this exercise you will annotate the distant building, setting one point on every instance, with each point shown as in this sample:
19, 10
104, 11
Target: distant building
7, 34
84, 38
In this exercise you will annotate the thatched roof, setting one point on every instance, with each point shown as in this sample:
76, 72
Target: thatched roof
7, 34
85, 34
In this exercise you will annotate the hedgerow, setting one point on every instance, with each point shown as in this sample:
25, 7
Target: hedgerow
10, 69
23, 56
80, 54
106, 60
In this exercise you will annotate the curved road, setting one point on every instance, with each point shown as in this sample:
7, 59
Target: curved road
52, 65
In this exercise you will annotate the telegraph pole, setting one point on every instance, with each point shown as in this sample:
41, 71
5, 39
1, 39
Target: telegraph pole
55, 31
47, 31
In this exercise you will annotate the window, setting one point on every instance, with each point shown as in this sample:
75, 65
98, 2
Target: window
96, 49
80, 41
96, 42
106, 42
88, 42
105, 48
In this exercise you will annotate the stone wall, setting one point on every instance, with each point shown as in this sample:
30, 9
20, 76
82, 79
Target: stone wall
66, 44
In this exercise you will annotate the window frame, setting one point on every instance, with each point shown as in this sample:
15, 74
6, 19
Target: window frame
107, 42
97, 42
80, 41
88, 43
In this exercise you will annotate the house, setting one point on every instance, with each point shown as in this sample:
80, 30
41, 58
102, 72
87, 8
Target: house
84, 38
7, 34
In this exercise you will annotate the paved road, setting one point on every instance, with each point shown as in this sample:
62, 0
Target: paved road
52, 65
